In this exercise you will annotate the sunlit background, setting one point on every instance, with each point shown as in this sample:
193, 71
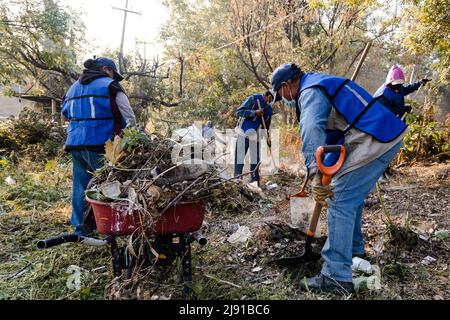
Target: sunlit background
104, 24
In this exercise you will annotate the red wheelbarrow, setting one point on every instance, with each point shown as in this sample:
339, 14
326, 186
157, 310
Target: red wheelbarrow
170, 236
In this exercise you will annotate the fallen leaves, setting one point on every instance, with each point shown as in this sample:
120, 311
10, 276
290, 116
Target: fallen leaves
114, 150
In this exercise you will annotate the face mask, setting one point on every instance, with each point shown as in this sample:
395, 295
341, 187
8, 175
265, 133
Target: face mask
291, 104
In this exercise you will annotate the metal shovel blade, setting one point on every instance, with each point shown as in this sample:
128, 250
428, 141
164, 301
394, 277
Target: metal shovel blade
301, 209
293, 261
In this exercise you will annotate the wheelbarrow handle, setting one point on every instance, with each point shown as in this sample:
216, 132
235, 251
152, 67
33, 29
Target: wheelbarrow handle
329, 172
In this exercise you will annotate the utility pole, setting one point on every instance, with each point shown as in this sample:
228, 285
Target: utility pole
412, 78
125, 14
145, 47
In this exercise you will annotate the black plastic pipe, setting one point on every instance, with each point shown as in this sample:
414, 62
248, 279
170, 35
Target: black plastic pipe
197, 236
70, 237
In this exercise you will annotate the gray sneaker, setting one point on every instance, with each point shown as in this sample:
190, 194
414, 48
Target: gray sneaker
322, 283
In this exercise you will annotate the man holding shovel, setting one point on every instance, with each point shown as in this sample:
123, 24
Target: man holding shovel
254, 114
335, 110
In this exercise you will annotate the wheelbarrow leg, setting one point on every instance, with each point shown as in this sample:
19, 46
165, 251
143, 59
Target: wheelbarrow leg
186, 264
130, 260
117, 270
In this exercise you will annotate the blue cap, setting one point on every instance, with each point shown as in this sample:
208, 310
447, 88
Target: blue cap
283, 73
106, 62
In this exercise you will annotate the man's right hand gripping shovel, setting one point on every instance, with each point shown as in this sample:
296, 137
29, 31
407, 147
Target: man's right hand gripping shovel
321, 189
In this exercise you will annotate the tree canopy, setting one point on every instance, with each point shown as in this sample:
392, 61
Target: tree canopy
41, 42
217, 52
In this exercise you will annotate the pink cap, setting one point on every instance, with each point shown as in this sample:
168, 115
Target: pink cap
395, 76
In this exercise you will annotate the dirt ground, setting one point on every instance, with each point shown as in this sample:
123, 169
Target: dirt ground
416, 200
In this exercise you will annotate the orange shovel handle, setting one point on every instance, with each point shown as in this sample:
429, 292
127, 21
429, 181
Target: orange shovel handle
329, 172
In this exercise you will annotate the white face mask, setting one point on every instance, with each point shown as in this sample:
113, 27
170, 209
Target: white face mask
291, 104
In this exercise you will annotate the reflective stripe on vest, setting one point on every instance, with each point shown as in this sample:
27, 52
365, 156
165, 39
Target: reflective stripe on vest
357, 106
88, 108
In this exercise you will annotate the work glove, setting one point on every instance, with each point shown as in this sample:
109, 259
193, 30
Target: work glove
259, 112
424, 81
319, 191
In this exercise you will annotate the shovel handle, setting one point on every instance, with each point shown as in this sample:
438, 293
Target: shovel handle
267, 133
314, 220
328, 172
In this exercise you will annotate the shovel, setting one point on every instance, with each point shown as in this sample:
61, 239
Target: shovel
275, 169
303, 204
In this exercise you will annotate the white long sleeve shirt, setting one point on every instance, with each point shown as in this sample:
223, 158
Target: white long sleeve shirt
125, 109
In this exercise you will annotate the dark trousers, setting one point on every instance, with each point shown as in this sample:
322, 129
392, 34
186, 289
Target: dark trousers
242, 146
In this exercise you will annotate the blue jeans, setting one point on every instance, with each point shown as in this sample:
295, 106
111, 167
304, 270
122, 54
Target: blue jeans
242, 146
344, 214
84, 164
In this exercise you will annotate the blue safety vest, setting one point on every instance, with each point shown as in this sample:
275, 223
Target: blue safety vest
88, 109
395, 100
247, 124
356, 106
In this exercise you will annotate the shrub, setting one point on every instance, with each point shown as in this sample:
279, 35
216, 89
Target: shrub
32, 135
427, 139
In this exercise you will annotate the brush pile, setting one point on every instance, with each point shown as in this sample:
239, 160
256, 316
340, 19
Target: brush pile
152, 174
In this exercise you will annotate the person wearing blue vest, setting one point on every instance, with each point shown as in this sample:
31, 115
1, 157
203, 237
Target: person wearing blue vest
250, 122
392, 93
336, 110
97, 108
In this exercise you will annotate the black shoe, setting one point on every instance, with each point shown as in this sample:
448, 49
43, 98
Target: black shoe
322, 283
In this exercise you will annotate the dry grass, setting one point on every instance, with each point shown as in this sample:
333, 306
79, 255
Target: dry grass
227, 271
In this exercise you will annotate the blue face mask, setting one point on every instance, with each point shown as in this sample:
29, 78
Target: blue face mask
291, 104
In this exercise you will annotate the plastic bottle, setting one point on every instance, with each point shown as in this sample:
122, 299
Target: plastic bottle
367, 283
362, 265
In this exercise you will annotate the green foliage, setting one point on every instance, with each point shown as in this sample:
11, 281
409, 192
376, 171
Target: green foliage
229, 50
7, 141
32, 190
32, 135
134, 138
40, 41
397, 270
429, 34
427, 139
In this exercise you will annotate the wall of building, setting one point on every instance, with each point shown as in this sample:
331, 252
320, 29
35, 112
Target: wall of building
10, 106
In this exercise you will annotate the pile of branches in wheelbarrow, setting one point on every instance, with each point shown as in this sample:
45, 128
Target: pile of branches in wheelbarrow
154, 191
153, 173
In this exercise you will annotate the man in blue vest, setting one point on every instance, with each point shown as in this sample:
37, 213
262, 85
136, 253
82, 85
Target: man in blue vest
97, 108
251, 114
337, 110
